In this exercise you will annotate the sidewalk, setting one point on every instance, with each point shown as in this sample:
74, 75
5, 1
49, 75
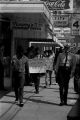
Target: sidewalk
42, 106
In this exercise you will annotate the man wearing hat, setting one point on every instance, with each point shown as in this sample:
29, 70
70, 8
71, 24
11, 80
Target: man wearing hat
64, 69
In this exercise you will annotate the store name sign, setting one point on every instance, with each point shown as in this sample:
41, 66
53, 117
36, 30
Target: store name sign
62, 41
76, 26
58, 4
61, 20
27, 26
62, 30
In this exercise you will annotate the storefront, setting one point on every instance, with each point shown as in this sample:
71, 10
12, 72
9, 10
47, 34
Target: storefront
27, 21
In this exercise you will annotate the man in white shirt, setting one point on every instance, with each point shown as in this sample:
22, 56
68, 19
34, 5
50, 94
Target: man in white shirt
64, 70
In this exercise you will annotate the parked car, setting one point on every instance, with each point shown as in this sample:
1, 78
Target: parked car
77, 72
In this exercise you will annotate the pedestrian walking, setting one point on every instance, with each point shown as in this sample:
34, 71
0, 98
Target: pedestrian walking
36, 80
49, 69
35, 76
19, 64
77, 72
56, 56
64, 69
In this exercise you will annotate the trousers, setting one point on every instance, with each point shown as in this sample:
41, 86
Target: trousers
36, 80
19, 80
63, 77
48, 77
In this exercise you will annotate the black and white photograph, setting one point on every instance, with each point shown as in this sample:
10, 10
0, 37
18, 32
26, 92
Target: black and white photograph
39, 59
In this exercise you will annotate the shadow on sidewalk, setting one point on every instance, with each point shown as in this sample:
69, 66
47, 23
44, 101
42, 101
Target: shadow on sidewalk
44, 102
68, 92
74, 98
28, 92
49, 87
4, 92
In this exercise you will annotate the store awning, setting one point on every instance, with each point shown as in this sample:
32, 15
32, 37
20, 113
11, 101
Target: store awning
26, 7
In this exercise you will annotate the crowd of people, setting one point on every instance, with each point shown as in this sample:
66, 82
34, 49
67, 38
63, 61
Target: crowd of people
64, 64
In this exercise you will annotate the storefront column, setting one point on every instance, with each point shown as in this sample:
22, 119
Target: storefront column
12, 51
8, 80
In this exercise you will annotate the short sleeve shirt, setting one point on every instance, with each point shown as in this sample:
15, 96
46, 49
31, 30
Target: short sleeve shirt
20, 63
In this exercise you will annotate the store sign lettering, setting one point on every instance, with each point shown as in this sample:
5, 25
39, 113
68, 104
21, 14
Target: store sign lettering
32, 26
61, 20
58, 4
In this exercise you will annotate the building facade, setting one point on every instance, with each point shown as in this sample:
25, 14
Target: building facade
23, 22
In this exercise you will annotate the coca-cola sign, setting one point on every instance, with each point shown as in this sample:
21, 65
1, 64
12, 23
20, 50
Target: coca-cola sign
58, 4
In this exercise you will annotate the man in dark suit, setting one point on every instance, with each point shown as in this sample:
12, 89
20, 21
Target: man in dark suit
64, 69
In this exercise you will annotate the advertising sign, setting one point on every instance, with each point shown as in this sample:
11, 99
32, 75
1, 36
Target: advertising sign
75, 26
78, 3
56, 30
62, 30
62, 41
66, 30
59, 4
61, 20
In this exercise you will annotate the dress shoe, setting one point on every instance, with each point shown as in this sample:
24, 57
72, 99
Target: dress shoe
45, 87
61, 104
65, 103
37, 92
16, 101
21, 104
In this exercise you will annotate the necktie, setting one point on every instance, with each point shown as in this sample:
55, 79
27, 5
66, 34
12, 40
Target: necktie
65, 60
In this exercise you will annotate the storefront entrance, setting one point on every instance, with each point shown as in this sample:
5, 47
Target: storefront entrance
5, 44
23, 21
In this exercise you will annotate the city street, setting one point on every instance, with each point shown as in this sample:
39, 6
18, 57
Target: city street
42, 106
33, 33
